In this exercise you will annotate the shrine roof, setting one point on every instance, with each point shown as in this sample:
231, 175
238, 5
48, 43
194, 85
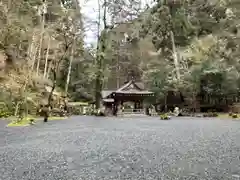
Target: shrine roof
130, 88
108, 100
106, 93
133, 92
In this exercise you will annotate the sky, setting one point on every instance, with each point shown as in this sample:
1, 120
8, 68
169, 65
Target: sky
89, 10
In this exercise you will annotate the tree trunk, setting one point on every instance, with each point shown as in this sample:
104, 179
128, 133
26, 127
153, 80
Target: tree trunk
194, 103
34, 57
101, 47
30, 49
16, 109
118, 73
49, 69
98, 87
165, 103
53, 88
70, 67
9, 4
41, 40
175, 56
54, 71
46, 60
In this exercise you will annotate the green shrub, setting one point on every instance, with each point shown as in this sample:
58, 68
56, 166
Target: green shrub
164, 117
5, 111
5, 114
75, 110
57, 112
99, 113
214, 114
234, 116
211, 114
93, 113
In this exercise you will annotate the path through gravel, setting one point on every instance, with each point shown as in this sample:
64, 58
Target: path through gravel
88, 148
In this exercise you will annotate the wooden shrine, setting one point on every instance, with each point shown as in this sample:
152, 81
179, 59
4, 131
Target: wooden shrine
130, 92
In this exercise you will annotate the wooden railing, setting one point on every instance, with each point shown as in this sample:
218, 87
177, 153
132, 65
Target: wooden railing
138, 111
135, 111
131, 111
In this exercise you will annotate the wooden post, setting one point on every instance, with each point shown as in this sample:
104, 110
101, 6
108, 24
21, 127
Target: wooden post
135, 106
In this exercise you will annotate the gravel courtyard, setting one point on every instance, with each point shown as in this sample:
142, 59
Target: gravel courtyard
89, 148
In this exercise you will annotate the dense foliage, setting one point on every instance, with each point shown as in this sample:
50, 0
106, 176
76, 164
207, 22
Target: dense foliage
39, 40
190, 47
204, 41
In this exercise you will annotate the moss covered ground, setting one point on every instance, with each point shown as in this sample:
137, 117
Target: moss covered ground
26, 120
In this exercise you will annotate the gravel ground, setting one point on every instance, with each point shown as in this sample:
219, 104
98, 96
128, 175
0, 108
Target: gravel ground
88, 148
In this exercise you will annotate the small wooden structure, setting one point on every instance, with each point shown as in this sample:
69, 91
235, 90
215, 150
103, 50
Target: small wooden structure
130, 92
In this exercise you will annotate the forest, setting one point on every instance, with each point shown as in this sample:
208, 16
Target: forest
188, 47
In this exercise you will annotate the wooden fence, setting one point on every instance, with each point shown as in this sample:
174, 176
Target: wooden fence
131, 111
